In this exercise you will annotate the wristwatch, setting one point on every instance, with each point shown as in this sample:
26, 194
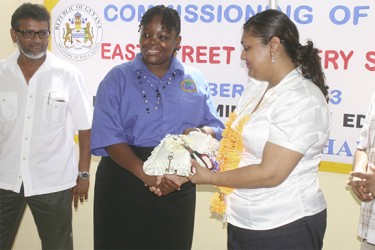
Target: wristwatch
84, 175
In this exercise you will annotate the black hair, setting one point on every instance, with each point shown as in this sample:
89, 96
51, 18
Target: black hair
28, 10
170, 18
273, 23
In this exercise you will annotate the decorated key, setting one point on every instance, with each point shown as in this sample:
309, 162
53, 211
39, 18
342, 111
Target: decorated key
170, 158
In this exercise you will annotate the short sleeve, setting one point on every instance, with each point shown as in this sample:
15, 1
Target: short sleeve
210, 118
299, 124
80, 106
368, 130
106, 127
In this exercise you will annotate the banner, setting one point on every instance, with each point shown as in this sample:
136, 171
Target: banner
97, 35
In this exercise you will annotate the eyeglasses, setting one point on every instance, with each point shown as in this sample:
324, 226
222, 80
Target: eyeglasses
30, 34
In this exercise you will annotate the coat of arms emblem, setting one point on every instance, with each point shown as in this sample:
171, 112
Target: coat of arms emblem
78, 32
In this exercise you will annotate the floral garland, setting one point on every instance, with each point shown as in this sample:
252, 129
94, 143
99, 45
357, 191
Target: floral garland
229, 156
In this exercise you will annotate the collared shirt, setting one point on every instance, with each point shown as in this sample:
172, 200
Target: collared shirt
294, 114
366, 229
136, 107
38, 123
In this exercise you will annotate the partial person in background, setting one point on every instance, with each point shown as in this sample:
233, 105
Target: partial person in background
43, 103
362, 178
137, 104
272, 144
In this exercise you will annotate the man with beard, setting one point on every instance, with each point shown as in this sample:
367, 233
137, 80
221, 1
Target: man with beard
43, 103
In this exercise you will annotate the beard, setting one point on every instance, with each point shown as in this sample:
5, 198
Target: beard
30, 54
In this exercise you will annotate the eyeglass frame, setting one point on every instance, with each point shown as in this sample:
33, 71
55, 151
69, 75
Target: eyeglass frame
33, 32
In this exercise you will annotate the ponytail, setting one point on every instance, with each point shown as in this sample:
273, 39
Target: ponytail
273, 23
309, 64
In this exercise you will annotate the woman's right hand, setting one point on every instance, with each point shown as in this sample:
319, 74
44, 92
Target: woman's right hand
160, 185
202, 174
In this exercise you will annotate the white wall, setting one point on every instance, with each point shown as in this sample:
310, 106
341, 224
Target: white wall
343, 209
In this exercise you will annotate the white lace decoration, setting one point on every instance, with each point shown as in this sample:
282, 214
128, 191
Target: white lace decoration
160, 162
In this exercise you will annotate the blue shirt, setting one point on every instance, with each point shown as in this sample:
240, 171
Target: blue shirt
136, 107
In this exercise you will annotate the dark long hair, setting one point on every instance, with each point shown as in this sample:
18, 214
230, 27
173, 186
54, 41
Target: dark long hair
273, 23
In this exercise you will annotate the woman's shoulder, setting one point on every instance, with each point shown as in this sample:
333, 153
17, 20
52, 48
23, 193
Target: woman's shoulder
194, 74
117, 76
122, 67
299, 89
190, 69
119, 71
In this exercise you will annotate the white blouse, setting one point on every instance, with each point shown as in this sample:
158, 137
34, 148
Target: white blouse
294, 114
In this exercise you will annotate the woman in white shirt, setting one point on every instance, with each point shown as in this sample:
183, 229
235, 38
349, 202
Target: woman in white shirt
273, 142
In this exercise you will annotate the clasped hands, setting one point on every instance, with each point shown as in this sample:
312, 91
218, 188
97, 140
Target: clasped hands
166, 184
363, 185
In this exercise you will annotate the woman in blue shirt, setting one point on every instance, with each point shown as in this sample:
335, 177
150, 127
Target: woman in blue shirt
137, 104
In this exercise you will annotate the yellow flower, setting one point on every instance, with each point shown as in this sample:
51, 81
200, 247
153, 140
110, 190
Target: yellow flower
229, 157
218, 204
226, 190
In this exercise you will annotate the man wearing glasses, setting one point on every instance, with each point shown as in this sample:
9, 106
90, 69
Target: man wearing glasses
43, 101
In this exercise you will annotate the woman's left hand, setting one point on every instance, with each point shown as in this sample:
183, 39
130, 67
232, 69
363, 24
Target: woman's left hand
164, 186
202, 175
188, 130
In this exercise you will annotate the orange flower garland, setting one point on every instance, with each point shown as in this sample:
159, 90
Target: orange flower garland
229, 156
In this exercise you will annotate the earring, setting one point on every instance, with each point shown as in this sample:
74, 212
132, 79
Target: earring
273, 57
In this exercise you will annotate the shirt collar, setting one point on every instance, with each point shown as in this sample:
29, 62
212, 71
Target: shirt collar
12, 61
175, 66
288, 81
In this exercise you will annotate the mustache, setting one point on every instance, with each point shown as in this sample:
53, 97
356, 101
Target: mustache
29, 54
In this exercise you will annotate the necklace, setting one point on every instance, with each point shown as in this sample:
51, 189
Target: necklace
229, 153
150, 91
260, 103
